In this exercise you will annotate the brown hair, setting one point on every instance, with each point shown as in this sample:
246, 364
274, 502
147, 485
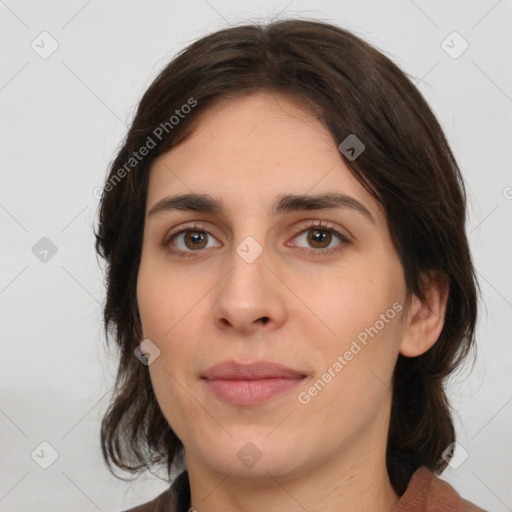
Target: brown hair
407, 165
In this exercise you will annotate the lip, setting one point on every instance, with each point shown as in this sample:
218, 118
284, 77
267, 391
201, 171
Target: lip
250, 384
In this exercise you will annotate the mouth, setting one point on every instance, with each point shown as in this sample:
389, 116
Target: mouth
250, 384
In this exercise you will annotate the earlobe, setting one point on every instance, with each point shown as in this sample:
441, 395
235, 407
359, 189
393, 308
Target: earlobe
426, 318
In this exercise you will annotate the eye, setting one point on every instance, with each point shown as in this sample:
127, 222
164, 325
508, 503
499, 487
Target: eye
190, 239
320, 236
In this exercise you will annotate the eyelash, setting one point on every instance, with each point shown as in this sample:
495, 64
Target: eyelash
320, 225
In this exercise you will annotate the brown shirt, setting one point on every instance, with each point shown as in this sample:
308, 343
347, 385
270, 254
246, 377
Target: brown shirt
425, 493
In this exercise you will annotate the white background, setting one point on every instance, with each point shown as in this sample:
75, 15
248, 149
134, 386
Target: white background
61, 121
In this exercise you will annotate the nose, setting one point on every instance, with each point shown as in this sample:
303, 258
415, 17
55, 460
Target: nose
249, 297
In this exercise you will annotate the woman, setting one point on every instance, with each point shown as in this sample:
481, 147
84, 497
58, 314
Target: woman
289, 280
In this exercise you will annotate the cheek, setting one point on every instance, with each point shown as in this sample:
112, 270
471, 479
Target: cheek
172, 317
176, 404
359, 317
165, 300
354, 369
345, 306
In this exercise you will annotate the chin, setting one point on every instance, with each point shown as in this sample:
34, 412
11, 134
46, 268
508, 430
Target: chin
255, 456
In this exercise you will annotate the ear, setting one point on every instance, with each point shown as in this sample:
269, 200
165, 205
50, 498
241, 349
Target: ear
425, 319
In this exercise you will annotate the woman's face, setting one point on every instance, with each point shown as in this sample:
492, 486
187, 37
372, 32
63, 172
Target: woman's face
257, 280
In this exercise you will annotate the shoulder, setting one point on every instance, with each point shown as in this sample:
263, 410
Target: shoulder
175, 499
428, 493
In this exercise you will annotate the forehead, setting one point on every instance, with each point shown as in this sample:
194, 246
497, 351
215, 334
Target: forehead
249, 150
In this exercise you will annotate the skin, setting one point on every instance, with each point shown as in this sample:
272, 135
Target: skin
328, 454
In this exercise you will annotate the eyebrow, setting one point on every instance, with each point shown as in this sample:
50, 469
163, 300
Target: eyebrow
284, 203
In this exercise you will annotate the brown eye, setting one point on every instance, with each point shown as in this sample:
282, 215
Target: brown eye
319, 238
195, 239
191, 239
